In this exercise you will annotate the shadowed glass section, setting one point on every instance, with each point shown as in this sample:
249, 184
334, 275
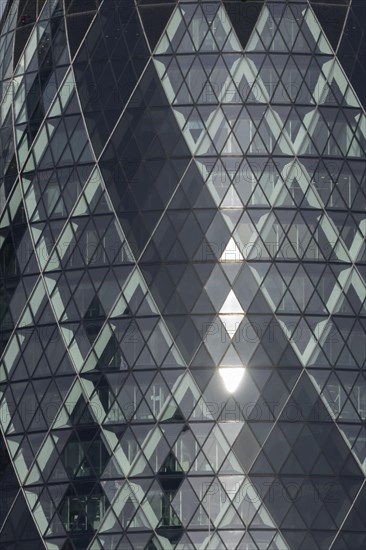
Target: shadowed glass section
152, 157
352, 48
243, 17
154, 19
108, 66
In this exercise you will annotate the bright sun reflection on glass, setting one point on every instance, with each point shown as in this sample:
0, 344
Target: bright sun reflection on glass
232, 377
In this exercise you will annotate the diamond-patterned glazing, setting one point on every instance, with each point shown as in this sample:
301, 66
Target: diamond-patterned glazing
182, 231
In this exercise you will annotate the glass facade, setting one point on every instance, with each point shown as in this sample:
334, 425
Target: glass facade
182, 263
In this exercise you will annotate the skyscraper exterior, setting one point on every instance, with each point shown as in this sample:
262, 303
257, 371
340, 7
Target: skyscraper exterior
182, 192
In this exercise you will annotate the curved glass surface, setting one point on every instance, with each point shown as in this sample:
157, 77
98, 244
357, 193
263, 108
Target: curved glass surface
182, 245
